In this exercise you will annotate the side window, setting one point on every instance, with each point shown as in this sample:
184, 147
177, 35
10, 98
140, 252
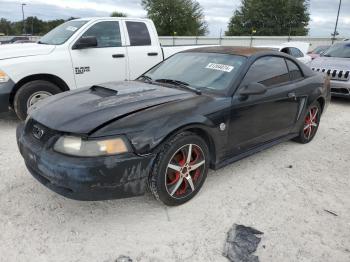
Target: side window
107, 34
296, 52
269, 71
286, 50
138, 34
294, 71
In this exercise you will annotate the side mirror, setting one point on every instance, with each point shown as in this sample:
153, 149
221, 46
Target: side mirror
86, 42
253, 89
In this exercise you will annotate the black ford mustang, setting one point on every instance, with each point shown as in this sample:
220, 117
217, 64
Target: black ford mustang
200, 109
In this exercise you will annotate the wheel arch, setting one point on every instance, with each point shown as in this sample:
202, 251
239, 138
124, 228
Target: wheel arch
201, 131
322, 102
46, 77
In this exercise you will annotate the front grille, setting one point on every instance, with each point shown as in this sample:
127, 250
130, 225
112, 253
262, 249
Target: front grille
340, 75
37, 141
342, 91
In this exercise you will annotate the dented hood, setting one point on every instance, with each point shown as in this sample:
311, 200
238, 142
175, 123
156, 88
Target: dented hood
85, 110
22, 50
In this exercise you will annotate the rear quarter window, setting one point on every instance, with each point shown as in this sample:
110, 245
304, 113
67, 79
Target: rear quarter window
269, 70
294, 71
138, 34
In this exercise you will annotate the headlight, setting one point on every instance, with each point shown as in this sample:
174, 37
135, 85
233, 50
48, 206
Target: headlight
3, 77
76, 146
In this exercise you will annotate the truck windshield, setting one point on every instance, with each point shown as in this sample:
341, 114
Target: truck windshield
61, 33
198, 70
338, 50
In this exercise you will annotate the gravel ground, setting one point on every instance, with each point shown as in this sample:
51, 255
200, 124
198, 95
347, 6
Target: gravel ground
283, 191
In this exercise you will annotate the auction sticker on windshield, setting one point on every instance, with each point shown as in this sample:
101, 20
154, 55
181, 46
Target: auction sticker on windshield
220, 67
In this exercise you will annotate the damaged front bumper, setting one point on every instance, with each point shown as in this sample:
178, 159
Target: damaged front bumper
93, 178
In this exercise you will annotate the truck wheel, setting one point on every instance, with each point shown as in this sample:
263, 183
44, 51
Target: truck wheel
180, 169
31, 93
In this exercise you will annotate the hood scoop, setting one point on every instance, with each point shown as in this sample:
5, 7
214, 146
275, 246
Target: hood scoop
102, 91
113, 94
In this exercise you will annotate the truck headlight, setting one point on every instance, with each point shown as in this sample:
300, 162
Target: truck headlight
76, 146
3, 77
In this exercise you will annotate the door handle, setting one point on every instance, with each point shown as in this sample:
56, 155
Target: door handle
292, 95
152, 54
118, 55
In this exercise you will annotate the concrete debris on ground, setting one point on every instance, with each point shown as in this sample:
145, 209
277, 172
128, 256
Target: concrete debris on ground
241, 243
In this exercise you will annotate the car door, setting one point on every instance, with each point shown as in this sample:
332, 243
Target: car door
260, 118
105, 63
143, 49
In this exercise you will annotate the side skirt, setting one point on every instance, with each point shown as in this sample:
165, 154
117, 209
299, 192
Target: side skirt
254, 150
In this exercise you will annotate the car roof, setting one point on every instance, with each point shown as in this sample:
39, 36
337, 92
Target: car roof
110, 18
230, 50
271, 46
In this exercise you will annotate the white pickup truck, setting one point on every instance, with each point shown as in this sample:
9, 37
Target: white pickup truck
78, 53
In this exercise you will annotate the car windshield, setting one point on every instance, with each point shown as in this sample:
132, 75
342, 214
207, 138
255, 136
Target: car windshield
198, 70
338, 50
61, 33
320, 49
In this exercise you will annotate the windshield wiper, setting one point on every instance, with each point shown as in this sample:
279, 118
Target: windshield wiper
179, 84
146, 79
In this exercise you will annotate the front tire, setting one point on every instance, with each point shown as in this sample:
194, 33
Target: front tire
178, 175
310, 124
32, 92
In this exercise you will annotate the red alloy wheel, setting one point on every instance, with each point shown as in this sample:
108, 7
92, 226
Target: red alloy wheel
311, 122
184, 171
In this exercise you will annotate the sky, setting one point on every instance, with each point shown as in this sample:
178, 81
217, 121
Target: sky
217, 13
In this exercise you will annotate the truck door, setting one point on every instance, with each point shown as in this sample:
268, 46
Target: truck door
104, 63
143, 48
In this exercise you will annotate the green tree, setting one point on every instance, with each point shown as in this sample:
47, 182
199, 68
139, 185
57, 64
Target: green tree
49, 25
118, 14
270, 17
176, 17
33, 25
5, 26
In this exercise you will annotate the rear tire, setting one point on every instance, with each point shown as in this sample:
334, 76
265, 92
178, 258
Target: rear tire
30, 93
310, 124
180, 182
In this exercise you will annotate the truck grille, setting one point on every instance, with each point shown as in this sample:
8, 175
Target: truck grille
340, 75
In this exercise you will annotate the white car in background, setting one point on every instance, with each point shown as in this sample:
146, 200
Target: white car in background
296, 49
